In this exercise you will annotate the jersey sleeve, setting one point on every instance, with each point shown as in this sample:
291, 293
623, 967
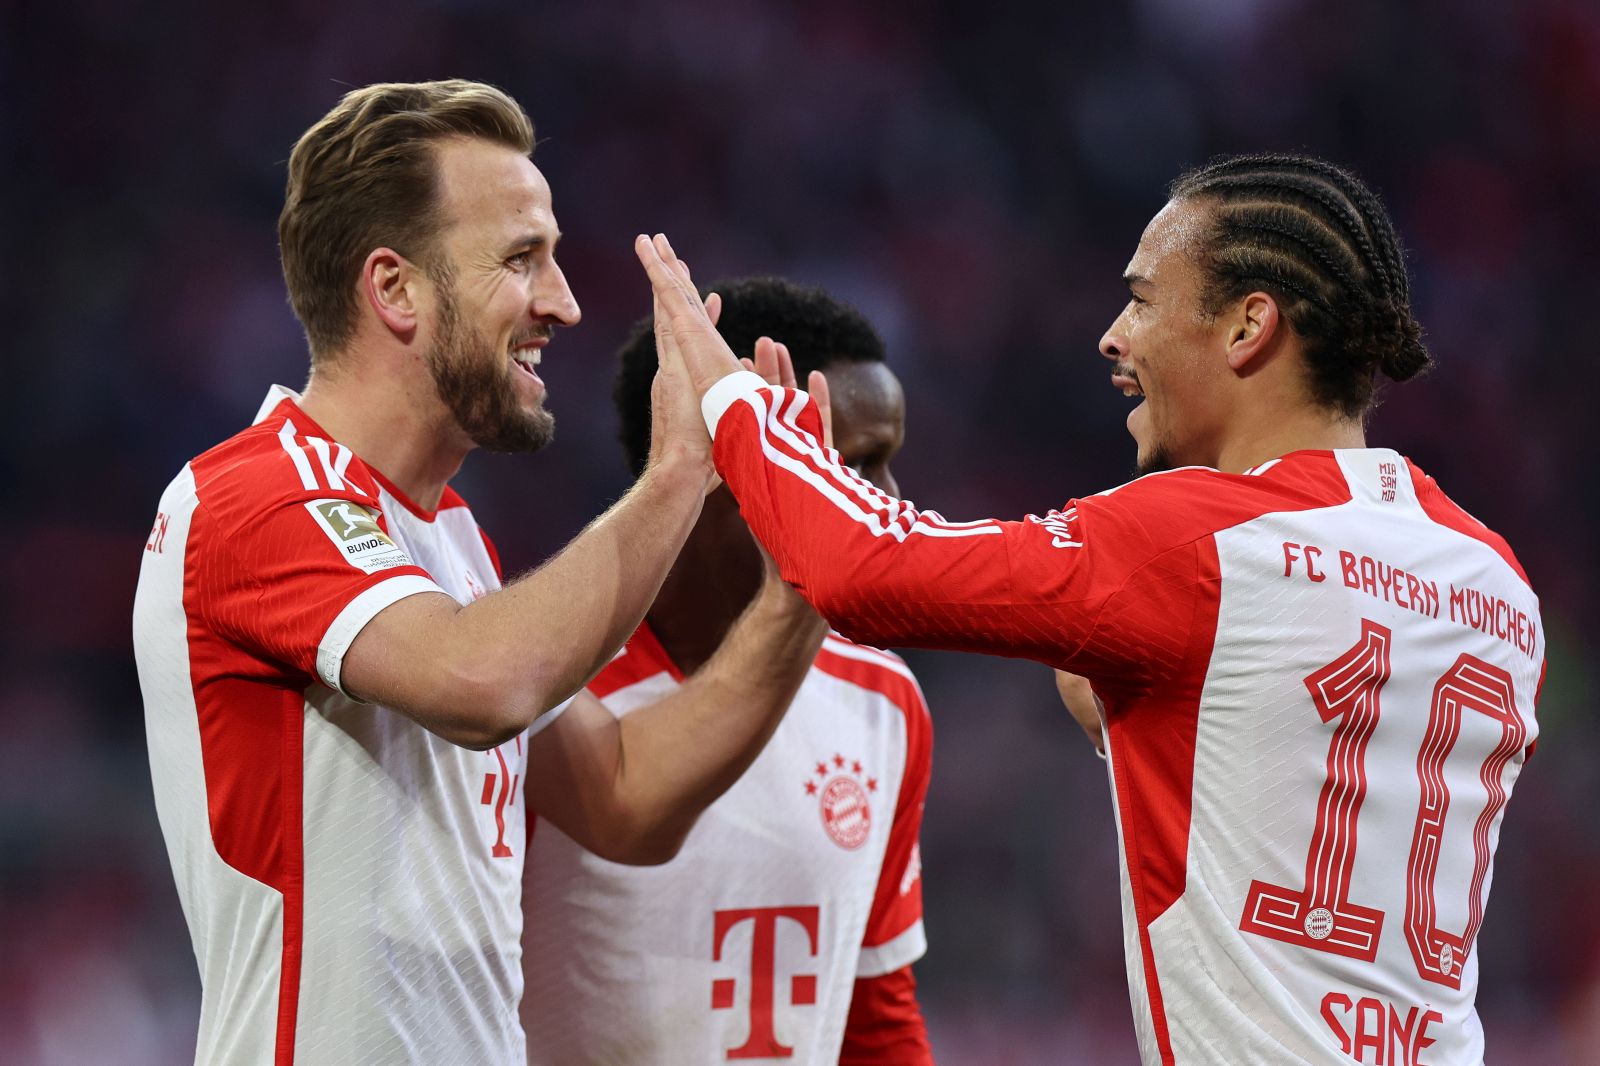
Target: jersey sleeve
293, 576
885, 1026
894, 936
1053, 588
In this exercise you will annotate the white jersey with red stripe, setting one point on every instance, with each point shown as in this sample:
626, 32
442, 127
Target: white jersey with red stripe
802, 878
1319, 679
352, 883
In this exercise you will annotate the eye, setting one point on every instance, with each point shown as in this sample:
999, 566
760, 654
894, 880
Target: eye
520, 260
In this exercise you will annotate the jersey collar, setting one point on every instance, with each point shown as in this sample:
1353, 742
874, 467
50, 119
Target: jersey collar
282, 399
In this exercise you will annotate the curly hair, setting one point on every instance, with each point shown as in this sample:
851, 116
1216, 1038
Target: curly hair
819, 331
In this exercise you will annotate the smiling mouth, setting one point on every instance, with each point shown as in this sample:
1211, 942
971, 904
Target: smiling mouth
525, 354
527, 361
1125, 378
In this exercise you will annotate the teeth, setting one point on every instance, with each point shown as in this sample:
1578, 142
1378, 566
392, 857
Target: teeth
529, 356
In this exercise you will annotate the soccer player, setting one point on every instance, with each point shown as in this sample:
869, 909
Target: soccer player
787, 926
1318, 673
343, 707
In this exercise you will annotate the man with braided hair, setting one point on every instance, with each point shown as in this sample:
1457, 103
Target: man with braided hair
1316, 675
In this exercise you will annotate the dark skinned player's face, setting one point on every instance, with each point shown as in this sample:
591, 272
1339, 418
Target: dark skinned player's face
869, 419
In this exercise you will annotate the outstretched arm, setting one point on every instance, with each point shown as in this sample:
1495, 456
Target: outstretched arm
630, 789
478, 675
876, 567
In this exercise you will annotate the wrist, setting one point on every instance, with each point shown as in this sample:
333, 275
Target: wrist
723, 392
679, 466
779, 601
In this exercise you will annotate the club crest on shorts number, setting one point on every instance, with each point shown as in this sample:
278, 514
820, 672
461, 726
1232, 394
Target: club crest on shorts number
843, 790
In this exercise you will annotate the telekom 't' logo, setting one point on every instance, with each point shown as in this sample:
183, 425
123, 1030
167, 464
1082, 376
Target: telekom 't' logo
763, 1042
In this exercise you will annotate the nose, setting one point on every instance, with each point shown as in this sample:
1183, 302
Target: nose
1114, 342
553, 300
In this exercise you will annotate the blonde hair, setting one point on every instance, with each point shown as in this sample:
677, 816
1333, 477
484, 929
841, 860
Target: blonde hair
364, 177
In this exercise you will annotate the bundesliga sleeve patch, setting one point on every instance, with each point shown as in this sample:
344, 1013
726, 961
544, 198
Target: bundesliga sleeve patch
354, 530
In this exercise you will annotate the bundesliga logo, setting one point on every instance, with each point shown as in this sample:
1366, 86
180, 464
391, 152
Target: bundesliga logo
846, 811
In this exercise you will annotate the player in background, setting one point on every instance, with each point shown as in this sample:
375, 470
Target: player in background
787, 925
344, 709
1318, 673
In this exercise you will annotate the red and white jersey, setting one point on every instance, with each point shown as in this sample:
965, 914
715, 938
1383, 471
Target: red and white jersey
352, 883
1319, 679
802, 878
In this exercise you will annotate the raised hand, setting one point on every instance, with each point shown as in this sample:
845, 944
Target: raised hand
686, 335
675, 422
772, 362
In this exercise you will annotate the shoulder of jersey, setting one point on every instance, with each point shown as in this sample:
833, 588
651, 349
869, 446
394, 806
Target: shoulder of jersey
1445, 511
874, 669
272, 463
1196, 501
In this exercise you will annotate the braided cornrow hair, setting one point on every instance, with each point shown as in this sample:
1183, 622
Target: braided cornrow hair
1315, 237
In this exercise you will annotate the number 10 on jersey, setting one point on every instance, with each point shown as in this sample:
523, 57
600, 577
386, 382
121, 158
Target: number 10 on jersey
1320, 915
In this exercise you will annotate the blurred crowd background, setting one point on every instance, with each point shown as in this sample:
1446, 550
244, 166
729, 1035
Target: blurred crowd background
974, 177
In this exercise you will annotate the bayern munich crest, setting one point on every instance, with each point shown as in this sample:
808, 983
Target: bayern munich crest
844, 791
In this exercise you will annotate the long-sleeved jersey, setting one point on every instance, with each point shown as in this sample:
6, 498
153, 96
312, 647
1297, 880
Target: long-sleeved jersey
1319, 680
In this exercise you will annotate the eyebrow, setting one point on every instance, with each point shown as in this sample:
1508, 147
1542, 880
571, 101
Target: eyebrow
1131, 279
530, 241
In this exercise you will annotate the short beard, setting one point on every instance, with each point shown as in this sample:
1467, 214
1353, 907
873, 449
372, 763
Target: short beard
1158, 460
475, 386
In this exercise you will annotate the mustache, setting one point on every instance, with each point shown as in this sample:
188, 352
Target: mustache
1125, 370
535, 334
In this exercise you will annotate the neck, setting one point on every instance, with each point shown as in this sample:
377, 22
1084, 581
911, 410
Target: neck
1295, 430
715, 578
397, 427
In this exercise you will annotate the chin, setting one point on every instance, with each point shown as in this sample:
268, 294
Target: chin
1152, 460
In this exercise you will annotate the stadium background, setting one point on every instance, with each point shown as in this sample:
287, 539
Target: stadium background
975, 180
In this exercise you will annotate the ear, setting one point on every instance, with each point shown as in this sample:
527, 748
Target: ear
389, 284
1252, 331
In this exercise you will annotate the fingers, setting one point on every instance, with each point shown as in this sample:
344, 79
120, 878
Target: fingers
774, 364
685, 332
817, 386
670, 281
776, 367
785, 367
713, 307
766, 363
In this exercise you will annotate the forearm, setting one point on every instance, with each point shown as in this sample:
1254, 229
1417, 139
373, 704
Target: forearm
881, 571
681, 753
550, 631
481, 674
